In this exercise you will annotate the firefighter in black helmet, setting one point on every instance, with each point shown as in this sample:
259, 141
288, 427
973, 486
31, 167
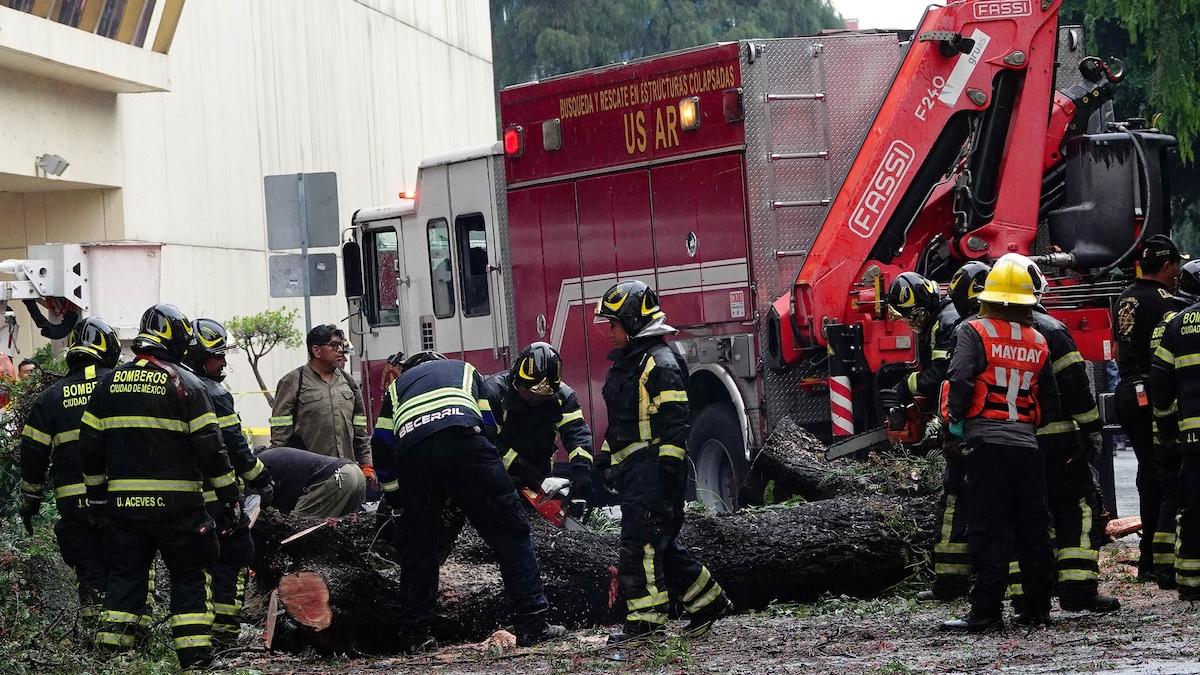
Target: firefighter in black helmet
951, 555
644, 454
932, 318
532, 405
1175, 403
206, 358
149, 441
50, 441
434, 443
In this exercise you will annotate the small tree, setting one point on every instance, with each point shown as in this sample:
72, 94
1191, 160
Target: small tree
258, 334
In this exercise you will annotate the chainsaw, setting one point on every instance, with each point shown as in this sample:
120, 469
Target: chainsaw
552, 508
905, 424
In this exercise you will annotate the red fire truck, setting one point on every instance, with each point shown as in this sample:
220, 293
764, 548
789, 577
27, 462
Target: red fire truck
769, 190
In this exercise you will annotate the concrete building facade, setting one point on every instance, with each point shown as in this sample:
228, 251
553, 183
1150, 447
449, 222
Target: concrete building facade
168, 138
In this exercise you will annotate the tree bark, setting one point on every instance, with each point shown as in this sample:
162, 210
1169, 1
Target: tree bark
852, 545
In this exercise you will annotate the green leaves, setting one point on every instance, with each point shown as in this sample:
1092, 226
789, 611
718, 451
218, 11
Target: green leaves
258, 334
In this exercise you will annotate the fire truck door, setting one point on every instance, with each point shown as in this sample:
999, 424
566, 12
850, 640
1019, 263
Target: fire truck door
700, 240
614, 243
432, 247
480, 295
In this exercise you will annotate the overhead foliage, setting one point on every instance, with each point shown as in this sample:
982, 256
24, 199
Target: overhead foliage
533, 39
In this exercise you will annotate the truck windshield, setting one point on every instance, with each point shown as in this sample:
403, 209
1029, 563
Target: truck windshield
473, 264
383, 267
440, 271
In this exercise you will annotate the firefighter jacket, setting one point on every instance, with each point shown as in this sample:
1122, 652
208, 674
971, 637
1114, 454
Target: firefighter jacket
50, 439
327, 418
1077, 409
1001, 382
646, 396
149, 440
241, 457
1175, 380
1139, 309
526, 433
933, 353
1178, 305
431, 397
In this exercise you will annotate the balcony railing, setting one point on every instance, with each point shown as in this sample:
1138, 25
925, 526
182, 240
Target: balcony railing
128, 21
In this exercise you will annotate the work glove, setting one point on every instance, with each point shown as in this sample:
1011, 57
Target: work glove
393, 500
957, 429
1094, 444
526, 475
369, 472
581, 482
231, 516
553, 486
670, 485
603, 464
29, 507
264, 487
933, 430
98, 513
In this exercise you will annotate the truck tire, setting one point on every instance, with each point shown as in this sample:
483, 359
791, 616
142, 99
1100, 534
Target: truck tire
717, 457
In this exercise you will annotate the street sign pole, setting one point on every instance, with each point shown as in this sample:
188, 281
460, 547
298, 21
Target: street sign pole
304, 255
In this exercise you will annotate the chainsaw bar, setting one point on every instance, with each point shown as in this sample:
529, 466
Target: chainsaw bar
853, 444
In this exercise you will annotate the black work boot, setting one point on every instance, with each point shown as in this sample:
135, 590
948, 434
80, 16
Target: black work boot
702, 621
1100, 604
1034, 619
415, 638
547, 631
974, 623
635, 633
1165, 579
940, 595
1188, 594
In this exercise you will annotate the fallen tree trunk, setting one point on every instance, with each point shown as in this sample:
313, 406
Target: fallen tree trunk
340, 594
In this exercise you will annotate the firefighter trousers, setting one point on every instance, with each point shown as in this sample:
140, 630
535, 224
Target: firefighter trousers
652, 566
187, 554
1136, 421
1078, 530
85, 549
229, 583
1169, 465
1008, 515
464, 467
951, 557
1187, 551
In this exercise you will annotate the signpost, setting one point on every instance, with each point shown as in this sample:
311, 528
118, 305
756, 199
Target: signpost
302, 213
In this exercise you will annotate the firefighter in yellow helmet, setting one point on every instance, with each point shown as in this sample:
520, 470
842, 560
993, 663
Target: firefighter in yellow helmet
1001, 384
644, 454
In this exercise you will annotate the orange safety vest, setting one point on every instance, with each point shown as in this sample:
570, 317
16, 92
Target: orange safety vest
1007, 387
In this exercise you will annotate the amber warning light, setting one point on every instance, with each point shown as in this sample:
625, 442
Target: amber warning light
514, 142
408, 194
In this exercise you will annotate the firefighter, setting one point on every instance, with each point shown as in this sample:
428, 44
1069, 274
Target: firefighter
933, 319
206, 357
50, 439
1000, 384
1175, 384
1140, 308
1070, 443
433, 443
149, 439
531, 404
1166, 448
644, 456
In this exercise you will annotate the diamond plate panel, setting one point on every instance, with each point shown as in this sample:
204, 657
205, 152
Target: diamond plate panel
510, 310
1072, 48
854, 72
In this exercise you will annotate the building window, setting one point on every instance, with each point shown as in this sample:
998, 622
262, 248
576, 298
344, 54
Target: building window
440, 271
473, 264
383, 269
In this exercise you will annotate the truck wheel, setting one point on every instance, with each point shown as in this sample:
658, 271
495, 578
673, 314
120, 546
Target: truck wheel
718, 457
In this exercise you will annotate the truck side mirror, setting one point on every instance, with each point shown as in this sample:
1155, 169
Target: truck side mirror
352, 269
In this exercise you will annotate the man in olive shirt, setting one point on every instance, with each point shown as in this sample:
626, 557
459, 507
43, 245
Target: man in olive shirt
319, 408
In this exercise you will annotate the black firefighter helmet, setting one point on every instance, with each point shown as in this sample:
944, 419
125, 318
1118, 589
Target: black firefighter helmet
538, 370
166, 327
93, 341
